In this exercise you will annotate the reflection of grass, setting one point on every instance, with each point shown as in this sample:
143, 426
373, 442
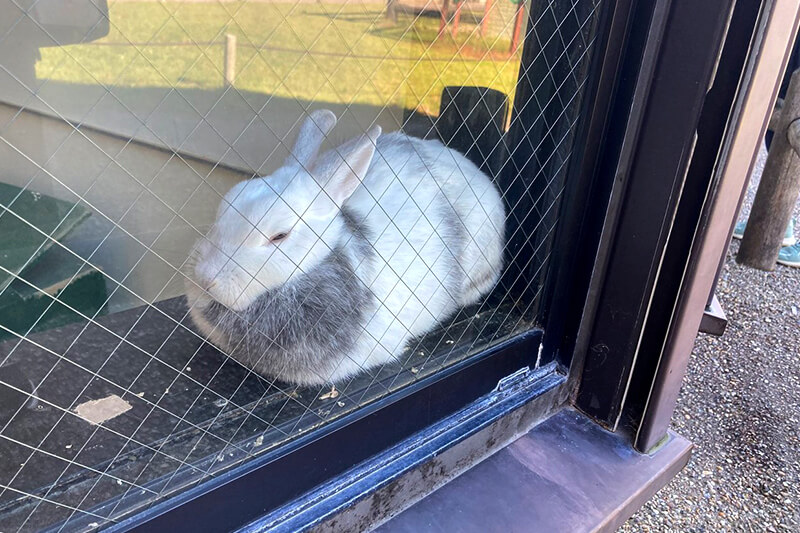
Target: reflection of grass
350, 30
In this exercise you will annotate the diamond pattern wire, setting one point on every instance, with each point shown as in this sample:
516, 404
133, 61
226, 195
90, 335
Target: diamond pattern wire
111, 130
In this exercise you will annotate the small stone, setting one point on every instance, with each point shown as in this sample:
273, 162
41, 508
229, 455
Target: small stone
414, 370
259, 441
68, 446
340, 403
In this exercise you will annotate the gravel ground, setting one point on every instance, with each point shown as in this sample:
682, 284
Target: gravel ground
739, 405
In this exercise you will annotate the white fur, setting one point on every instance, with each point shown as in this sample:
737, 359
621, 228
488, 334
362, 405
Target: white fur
403, 195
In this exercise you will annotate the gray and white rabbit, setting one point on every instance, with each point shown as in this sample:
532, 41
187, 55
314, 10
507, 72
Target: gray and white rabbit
331, 264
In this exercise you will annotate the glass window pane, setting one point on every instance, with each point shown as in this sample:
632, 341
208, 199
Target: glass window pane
198, 264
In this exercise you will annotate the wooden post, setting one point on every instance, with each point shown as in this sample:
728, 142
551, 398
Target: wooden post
445, 15
779, 188
457, 17
391, 11
485, 20
776, 115
517, 27
230, 59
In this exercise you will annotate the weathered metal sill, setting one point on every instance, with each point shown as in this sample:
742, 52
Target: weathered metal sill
380, 488
565, 475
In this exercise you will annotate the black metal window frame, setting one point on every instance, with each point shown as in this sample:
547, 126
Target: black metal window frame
249, 492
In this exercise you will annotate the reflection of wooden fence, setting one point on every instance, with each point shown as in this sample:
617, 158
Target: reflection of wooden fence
230, 43
496, 17
300, 51
473, 8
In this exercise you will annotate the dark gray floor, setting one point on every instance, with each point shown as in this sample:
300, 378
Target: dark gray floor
191, 410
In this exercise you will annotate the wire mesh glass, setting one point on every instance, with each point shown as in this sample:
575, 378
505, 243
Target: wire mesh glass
125, 128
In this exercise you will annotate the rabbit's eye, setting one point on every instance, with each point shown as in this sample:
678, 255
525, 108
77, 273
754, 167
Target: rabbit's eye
278, 237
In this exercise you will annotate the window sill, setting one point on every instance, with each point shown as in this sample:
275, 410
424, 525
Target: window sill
566, 474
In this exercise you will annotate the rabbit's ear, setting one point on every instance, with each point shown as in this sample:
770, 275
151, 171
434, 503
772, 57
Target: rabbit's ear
340, 171
315, 128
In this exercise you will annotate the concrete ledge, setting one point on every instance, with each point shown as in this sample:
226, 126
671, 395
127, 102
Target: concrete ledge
567, 474
242, 130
